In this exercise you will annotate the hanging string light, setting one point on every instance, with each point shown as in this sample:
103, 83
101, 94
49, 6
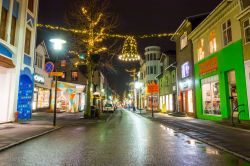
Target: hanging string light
129, 50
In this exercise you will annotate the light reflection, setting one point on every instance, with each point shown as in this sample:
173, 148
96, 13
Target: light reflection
213, 151
192, 142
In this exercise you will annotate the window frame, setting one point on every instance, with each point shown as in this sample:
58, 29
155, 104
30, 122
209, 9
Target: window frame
198, 49
227, 28
183, 36
212, 40
30, 44
74, 71
244, 30
5, 23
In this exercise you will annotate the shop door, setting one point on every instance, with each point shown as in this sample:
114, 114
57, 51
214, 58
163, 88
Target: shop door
232, 89
184, 101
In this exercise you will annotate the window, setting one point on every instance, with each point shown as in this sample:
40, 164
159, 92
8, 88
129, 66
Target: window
212, 43
246, 26
151, 70
13, 30
155, 70
3, 24
74, 75
27, 41
227, 32
63, 77
201, 52
184, 40
211, 95
154, 56
39, 61
63, 63
31, 5
185, 70
173, 76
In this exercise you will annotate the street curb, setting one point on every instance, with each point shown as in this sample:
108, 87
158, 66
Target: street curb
28, 139
204, 141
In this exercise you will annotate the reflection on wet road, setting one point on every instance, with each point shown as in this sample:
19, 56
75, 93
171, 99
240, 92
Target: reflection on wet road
127, 139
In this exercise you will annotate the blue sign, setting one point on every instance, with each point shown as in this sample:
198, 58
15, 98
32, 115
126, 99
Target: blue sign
49, 67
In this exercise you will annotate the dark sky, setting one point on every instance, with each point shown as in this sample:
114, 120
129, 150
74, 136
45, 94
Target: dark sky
135, 17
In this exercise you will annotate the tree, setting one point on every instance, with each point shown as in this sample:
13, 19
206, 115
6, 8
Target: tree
95, 23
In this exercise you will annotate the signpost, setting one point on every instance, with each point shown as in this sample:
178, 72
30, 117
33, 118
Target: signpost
49, 67
56, 74
152, 88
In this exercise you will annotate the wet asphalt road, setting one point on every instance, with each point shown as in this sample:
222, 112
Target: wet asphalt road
127, 139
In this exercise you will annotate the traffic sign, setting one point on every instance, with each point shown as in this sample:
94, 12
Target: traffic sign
56, 74
49, 67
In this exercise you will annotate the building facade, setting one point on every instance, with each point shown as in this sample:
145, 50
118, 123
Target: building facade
167, 83
71, 96
17, 45
152, 67
185, 65
42, 81
219, 64
244, 18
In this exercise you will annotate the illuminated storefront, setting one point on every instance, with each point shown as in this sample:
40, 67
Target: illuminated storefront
42, 90
187, 89
70, 97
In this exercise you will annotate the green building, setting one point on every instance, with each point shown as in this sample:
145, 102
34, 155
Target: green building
220, 81
167, 83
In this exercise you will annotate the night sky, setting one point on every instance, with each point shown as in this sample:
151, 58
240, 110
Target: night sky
135, 17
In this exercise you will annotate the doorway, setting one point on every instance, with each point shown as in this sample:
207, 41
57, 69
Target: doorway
232, 89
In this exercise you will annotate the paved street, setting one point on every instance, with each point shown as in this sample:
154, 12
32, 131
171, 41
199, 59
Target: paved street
126, 139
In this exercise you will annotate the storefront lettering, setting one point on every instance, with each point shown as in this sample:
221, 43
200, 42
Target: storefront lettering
39, 79
208, 66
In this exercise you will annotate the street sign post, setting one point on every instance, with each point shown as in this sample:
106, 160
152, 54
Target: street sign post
56, 74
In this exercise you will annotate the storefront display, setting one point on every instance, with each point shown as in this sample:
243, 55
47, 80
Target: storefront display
68, 97
211, 95
41, 98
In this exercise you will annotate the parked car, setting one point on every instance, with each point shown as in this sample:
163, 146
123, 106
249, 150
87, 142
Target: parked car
109, 108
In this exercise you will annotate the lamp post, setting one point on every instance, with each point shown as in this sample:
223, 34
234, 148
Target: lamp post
138, 86
57, 46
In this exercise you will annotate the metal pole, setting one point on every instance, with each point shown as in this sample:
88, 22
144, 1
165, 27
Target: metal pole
55, 104
152, 105
177, 90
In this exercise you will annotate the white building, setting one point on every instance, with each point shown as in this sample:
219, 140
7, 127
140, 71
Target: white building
17, 41
150, 68
42, 81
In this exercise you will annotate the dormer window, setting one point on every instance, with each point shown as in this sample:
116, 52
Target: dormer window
183, 40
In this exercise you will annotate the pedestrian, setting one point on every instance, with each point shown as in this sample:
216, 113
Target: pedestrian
133, 108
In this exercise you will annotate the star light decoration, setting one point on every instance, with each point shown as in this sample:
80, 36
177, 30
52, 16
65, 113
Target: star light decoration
129, 50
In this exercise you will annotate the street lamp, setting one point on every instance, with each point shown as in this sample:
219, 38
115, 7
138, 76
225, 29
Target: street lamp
57, 46
138, 86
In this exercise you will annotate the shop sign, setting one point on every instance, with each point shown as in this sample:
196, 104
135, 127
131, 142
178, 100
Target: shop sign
187, 84
208, 66
152, 88
39, 79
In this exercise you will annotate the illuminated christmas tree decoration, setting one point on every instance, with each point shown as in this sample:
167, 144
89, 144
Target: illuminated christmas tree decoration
129, 50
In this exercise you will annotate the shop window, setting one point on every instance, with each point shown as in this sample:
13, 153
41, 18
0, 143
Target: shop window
190, 101
63, 63
171, 104
227, 32
212, 43
201, 52
74, 75
184, 40
246, 26
3, 24
31, 5
27, 47
39, 61
211, 95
